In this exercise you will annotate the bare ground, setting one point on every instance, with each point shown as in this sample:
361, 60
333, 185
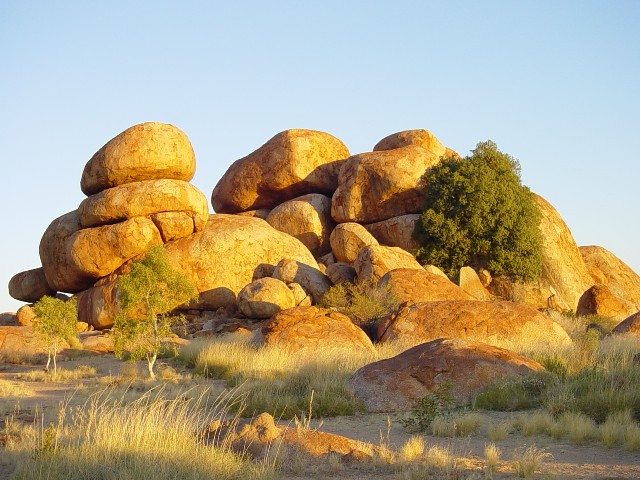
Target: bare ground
568, 461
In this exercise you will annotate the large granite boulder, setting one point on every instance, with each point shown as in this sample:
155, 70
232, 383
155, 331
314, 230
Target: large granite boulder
341, 272
421, 138
490, 322
605, 268
265, 297
396, 231
376, 186
292, 163
308, 218
315, 282
226, 255
470, 283
630, 325
314, 329
564, 275
414, 285
98, 306
347, 239
374, 261
397, 383
30, 286
143, 152
599, 300
143, 199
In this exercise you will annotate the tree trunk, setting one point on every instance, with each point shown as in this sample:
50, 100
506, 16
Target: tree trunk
55, 352
46, 367
151, 360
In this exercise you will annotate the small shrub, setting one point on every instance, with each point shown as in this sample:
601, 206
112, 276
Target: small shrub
612, 431
413, 449
514, 393
577, 427
456, 426
528, 460
428, 408
537, 423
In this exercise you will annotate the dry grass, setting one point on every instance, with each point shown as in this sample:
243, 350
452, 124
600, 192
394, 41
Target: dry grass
498, 431
461, 425
10, 388
62, 375
491, 458
413, 449
528, 460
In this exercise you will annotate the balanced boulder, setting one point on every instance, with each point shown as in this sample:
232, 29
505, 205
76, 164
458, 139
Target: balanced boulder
397, 383
143, 152
308, 218
504, 323
314, 329
292, 163
30, 286
376, 186
421, 138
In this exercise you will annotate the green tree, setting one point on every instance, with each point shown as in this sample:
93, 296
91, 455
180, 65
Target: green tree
478, 213
55, 322
147, 295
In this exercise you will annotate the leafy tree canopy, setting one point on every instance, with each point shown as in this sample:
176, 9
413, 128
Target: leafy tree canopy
55, 322
147, 295
478, 213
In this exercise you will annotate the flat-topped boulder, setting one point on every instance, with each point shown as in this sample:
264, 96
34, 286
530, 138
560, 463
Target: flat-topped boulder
229, 252
143, 152
315, 329
143, 199
30, 286
397, 383
293, 163
308, 218
375, 186
489, 322
414, 285
607, 269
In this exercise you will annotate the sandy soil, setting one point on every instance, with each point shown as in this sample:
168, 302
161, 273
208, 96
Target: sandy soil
591, 461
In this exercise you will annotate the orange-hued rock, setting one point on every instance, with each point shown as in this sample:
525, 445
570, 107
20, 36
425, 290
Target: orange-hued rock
489, 322
599, 300
226, 255
316, 330
142, 199
22, 343
293, 163
396, 231
26, 315
605, 268
265, 297
564, 274
96, 342
414, 285
175, 225
630, 325
143, 152
376, 186
308, 218
98, 306
30, 286
310, 278
347, 239
374, 261
470, 283
397, 383
341, 272
421, 138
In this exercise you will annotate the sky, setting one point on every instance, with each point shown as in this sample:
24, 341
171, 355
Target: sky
554, 84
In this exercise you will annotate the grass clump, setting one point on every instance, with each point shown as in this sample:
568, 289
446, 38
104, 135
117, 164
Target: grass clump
13, 389
59, 375
491, 458
462, 425
528, 460
515, 393
413, 449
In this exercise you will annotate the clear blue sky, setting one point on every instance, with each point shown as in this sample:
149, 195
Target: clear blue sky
554, 83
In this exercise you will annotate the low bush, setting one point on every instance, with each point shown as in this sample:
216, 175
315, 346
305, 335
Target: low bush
515, 393
426, 409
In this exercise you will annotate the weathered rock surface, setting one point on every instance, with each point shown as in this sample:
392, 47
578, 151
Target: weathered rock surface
397, 383
315, 329
174, 225
21, 343
376, 186
421, 138
224, 257
142, 199
302, 298
98, 306
143, 152
30, 286
341, 272
564, 275
310, 278
292, 163
396, 231
414, 285
26, 315
264, 298
96, 342
599, 300
489, 322
374, 261
8, 319
347, 239
630, 325
308, 218
470, 283
604, 267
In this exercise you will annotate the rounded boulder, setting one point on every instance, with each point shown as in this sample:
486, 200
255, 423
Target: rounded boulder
264, 298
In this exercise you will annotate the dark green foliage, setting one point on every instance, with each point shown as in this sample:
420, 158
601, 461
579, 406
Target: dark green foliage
147, 294
478, 213
428, 408
515, 393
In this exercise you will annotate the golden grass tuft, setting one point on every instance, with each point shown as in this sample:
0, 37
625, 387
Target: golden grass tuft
528, 460
413, 449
